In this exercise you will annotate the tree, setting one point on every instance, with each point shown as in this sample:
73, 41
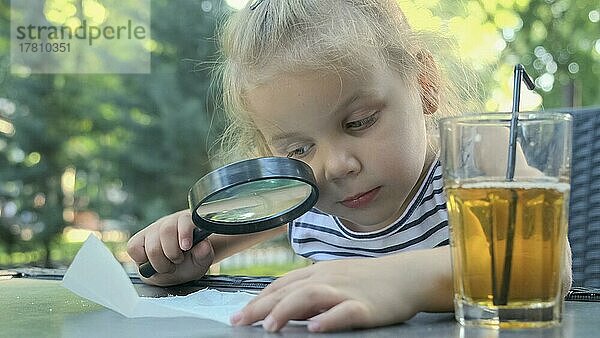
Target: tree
558, 41
124, 146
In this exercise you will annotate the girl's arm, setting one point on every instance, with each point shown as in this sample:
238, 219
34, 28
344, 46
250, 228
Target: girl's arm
360, 293
356, 293
226, 245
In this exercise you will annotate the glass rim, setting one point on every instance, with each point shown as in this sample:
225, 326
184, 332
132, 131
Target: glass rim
505, 117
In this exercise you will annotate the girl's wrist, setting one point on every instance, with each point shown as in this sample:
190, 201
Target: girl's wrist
427, 274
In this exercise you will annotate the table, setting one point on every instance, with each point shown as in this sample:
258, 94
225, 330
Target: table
43, 308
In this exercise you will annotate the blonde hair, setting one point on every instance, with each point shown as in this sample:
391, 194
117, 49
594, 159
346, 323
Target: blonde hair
283, 36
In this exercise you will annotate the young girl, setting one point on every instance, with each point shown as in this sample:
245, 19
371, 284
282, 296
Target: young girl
349, 88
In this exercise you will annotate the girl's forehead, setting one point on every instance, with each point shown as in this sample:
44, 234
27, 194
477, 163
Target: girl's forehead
330, 85
286, 99
293, 67
316, 82
306, 90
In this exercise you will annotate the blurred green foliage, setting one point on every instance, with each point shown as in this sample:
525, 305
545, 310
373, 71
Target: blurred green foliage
558, 42
127, 147
131, 145
264, 270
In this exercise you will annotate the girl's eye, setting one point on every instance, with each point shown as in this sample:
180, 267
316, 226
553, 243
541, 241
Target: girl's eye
362, 123
299, 152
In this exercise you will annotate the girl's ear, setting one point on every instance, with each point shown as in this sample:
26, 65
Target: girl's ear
429, 82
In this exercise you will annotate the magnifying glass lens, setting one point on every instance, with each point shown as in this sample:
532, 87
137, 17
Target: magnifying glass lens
254, 201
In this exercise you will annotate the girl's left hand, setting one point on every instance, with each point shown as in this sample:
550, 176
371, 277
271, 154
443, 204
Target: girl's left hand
350, 293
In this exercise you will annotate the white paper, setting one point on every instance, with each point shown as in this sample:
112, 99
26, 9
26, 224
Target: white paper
95, 274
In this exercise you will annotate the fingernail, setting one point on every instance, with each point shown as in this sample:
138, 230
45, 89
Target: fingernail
269, 324
186, 244
235, 318
314, 326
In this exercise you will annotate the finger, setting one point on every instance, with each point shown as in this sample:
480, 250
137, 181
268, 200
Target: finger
349, 314
156, 255
258, 308
275, 289
135, 248
170, 243
284, 281
185, 229
195, 264
202, 255
291, 278
296, 298
303, 303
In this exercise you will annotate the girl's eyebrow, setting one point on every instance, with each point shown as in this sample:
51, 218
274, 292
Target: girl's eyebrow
341, 106
348, 101
283, 136
360, 94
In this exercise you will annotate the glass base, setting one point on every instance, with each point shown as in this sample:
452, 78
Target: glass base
535, 315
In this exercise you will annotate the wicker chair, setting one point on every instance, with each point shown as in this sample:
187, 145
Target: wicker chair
584, 217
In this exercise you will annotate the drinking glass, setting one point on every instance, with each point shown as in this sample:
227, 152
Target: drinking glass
507, 236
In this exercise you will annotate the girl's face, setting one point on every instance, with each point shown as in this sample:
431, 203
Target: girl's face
363, 136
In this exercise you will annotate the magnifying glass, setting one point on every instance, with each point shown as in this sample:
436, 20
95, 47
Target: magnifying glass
249, 196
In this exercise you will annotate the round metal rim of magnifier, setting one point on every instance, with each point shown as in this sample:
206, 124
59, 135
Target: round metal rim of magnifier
244, 172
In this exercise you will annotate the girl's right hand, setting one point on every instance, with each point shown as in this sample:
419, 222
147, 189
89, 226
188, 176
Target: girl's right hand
166, 244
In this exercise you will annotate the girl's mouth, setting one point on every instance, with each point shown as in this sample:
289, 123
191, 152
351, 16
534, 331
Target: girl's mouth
361, 200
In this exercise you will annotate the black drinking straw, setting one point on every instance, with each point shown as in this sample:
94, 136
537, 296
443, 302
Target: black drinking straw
518, 76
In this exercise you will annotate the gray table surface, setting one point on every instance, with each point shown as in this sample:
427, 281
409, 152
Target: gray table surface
39, 308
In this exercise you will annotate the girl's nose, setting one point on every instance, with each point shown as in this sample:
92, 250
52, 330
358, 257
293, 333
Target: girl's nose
340, 164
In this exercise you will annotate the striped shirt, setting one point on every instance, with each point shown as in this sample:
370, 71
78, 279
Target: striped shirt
423, 225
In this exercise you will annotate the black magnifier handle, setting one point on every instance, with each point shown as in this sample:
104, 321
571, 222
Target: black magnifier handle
147, 270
